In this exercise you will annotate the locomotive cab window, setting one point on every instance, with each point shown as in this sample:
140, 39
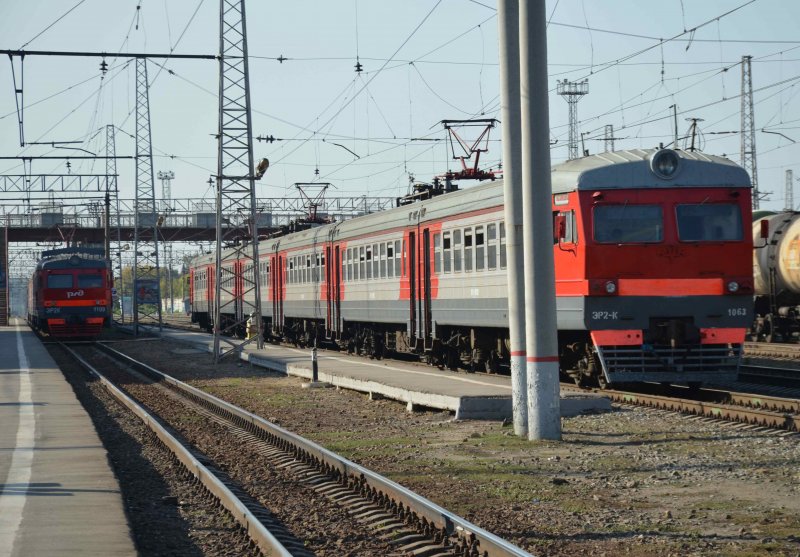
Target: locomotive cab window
717, 222
90, 281
59, 281
628, 224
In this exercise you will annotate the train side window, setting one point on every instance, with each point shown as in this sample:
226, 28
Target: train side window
383, 259
375, 261
468, 249
491, 245
291, 270
437, 253
480, 249
369, 262
390, 259
446, 251
502, 245
59, 281
570, 229
307, 274
350, 270
398, 254
456, 251
362, 269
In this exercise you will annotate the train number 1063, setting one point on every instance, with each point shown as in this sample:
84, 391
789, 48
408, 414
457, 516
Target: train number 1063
736, 312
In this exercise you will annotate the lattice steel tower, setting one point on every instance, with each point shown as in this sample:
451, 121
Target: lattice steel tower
237, 278
572, 91
789, 196
609, 138
748, 151
113, 189
146, 290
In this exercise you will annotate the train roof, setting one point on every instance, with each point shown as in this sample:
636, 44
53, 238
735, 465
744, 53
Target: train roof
71, 258
620, 169
611, 170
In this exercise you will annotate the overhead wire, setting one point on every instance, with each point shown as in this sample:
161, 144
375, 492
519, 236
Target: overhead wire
58, 19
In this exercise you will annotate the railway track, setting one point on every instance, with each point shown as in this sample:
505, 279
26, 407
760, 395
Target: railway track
761, 410
726, 404
772, 351
390, 519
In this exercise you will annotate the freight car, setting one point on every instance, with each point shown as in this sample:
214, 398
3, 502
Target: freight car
652, 260
69, 294
776, 270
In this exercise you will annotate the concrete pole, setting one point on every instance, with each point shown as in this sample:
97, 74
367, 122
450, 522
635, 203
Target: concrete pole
544, 416
508, 33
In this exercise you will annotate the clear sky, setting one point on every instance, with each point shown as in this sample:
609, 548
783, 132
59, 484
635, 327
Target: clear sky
423, 61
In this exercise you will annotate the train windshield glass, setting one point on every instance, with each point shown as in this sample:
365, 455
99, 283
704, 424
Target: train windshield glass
90, 281
59, 281
717, 222
628, 224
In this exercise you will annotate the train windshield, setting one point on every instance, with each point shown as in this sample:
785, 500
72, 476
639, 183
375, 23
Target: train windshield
628, 224
717, 222
90, 281
59, 281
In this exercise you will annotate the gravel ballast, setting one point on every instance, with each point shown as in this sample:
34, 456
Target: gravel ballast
627, 482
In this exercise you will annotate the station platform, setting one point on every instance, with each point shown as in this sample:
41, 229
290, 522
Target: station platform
58, 495
469, 396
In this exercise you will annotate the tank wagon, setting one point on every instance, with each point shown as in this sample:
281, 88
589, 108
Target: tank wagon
776, 271
69, 294
652, 263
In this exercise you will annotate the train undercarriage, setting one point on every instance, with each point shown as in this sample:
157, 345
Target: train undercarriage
487, 349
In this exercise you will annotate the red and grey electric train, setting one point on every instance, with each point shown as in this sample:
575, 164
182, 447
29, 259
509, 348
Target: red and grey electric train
69, 294
653, 264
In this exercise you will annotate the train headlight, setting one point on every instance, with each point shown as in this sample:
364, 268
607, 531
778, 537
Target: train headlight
665, 163
733, 286
611, 287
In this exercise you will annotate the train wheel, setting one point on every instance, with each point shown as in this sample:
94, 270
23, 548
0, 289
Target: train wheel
769, 328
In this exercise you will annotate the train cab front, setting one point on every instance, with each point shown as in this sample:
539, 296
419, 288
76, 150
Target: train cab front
669, 274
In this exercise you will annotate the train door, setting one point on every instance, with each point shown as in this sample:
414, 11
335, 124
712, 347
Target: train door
280, 277
276, 286
329, 288
411, 261
337, 290
238, 290
425, 286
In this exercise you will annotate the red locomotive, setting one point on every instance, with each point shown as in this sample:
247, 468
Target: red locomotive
69, 294
653, 273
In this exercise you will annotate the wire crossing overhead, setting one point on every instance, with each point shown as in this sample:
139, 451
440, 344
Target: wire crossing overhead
146, 295
237, 276
572, 91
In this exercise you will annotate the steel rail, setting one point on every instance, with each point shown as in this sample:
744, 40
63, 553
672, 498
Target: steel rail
770, 375
479, 541
729, 412
769, 350
254, 528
